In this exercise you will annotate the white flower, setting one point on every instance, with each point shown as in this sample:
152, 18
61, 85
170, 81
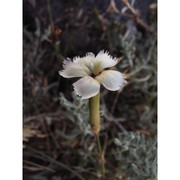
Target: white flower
93, 70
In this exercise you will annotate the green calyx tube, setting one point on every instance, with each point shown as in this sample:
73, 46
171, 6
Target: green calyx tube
94, 115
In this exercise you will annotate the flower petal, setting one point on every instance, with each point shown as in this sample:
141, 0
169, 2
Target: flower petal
87, 87
72, 69
89, 56
112, 80
103, 60
86, 60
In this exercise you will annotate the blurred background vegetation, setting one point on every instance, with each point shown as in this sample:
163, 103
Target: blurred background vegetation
58, 143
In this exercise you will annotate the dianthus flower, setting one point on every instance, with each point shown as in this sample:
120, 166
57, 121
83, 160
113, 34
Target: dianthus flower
93, 70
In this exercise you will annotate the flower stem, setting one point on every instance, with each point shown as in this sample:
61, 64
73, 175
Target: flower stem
98, 143
94, 107
101, 155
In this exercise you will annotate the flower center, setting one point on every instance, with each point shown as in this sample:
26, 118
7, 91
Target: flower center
97, 68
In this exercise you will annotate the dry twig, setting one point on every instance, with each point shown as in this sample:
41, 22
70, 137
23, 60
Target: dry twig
137, 17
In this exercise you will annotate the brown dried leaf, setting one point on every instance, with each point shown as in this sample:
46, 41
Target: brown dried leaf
28, 132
